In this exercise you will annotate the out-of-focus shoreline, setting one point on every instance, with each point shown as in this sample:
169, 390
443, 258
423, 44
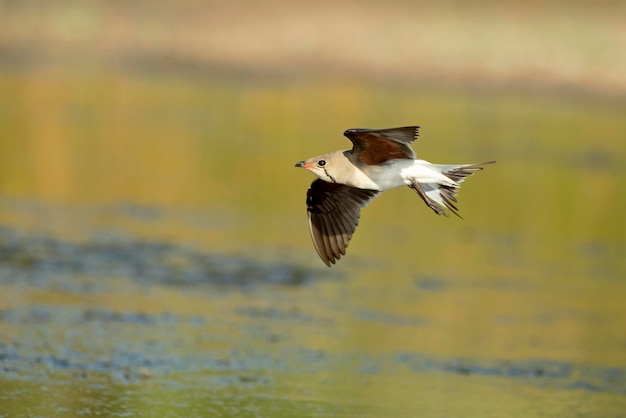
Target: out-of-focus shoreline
559, 48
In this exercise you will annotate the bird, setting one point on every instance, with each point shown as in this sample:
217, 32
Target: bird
380, 159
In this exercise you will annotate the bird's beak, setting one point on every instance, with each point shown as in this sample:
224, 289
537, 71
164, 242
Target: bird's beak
303, 164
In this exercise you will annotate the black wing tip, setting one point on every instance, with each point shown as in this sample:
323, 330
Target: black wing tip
416, 132
328, 259
330, 262
353, 131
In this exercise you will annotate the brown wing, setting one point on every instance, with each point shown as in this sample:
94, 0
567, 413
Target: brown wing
334, 211
375, 146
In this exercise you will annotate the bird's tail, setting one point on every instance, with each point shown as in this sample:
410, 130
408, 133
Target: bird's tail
441, 195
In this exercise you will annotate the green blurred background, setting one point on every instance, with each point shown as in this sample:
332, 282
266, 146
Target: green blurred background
180, 123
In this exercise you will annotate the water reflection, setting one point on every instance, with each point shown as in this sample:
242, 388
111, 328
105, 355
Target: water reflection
155, 249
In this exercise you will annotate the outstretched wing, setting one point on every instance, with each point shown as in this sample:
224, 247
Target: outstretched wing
375, 146
334, 211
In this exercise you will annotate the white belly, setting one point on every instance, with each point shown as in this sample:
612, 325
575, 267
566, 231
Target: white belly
403, 172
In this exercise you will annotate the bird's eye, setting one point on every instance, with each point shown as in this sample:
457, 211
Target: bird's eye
321, 163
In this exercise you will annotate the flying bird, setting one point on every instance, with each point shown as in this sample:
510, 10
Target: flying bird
380, 159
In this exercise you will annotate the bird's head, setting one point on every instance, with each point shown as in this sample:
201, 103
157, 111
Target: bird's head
321, 166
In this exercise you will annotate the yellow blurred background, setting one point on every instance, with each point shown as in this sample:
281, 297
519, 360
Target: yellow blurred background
199, 109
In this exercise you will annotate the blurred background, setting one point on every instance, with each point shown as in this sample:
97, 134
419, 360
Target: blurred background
154, 249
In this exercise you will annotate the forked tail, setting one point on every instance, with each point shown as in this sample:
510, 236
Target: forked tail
442, 195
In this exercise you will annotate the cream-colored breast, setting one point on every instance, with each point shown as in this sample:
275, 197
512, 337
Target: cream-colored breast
345, 172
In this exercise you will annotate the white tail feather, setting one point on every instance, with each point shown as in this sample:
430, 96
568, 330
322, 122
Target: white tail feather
442, 195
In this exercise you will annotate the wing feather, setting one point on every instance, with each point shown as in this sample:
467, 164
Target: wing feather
375, 146
334, 211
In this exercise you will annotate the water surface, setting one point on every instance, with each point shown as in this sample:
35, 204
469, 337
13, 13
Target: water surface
155, 257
